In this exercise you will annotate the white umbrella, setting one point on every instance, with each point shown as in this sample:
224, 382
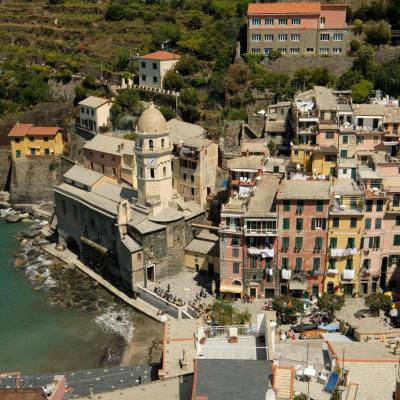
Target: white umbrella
393, 312
270, 395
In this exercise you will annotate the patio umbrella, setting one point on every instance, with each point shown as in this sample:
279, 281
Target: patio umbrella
394, 312
270, 395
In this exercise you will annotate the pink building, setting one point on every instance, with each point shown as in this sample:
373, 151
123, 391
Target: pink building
302, 240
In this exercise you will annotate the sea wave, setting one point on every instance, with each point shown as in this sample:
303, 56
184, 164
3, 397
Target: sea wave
117, 321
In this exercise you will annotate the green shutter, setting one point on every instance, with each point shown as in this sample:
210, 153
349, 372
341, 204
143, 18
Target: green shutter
285, 243
299, 243
318, 243
396, 240
286, 205
333, 243
286, 223
319, 205
332, 263
349, 263
316, 263
367, 223
299, 224
299, 263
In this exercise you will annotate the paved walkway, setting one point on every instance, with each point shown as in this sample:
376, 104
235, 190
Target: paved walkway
68, 257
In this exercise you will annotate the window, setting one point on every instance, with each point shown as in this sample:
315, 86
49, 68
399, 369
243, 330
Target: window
343, 153
286, 223
296, 21
318, 223
256, 21
162, 143
275, 169
33, 152
269, 37
324, 37
299, 264
256, 51
335, 222
396, 199
46, 139
286, 205
368, 205
92, 223
360, 121
47, 152
154, 65
360, 139
367, 223
192, 178
353, 222
318, 243
375, 242
336, 50
375, 123
310, 50
299, 224
235, 251
322, 20
192, 191
152, 173
144, 78
267, 50
285, 263
337, 37
324, 50
300, 207
295, 37
396, 240
378, 223
316, 263
269, 21
397, 220
298, 243
295, 51
235, 268
256, 37
151, 144
353, 204
164, 170
344, 171
332, 263
329, 135
18, 153
184, 177
283, 21
155, 79
350, 243
379, 205
143, 64
333, 243
282, 51
345, 139
235, 241
319, 205
282, 37
376, 139
32, 139
349, 263
285, 243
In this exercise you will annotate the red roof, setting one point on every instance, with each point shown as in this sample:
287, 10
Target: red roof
21, 130
162, 56
284, 8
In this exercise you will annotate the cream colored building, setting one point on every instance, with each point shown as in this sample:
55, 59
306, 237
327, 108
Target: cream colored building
154, 66
194, 161
94, 113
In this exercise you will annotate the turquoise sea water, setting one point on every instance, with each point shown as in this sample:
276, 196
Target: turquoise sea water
36, 337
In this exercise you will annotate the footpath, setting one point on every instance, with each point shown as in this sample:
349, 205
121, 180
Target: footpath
67, 257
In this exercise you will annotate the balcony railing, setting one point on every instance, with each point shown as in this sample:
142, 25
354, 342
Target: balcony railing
260, 232
241, 182
231, 228
348, 274
343, 252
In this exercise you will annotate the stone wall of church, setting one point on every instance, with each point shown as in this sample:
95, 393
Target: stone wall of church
189, 230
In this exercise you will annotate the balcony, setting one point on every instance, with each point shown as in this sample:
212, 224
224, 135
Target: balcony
265, 252
393, 207
260, 232
332, 271
374, 192
348, 274
231, 228
242, 182
286, 274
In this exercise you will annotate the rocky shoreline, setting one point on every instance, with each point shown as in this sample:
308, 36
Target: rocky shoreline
67, 287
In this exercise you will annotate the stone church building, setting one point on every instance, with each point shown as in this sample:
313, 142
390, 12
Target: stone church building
129, 236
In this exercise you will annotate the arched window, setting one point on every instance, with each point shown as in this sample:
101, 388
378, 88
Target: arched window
164, 170
152, 173
162, 143
151, 144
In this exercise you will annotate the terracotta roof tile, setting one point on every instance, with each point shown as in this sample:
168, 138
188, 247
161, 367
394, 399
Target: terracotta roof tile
162, 56
284, 8
19, 130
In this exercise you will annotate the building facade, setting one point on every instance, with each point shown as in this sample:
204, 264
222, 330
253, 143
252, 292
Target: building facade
296, 29
154, 66
94, 113
32, 141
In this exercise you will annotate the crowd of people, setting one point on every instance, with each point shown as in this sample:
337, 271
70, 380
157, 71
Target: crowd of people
167, 295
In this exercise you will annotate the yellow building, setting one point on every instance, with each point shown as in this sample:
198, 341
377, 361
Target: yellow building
302, 154
345, 227
324, 161
202, 254
29, 140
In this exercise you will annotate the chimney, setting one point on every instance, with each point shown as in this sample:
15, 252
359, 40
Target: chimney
247, 153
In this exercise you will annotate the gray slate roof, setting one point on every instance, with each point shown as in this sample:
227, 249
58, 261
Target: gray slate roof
202, 246
190, 134
109, 145
304, 190
264, 195
93, 102
82, 175
250, 162
233, 379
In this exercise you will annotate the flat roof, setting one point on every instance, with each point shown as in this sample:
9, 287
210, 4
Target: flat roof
202, 246
232, 379
161, 56
255, 162
181, 132
83, 175
93, 101
284, 8
368, 173
345, 186
110, 145
304, 190
254, 146
264, 195
374, 110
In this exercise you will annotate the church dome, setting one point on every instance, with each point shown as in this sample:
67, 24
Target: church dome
152, 121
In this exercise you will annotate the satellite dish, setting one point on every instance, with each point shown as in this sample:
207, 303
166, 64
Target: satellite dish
270, 395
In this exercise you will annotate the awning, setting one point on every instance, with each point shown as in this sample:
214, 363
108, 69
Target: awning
94, 245
231, 289
298, 285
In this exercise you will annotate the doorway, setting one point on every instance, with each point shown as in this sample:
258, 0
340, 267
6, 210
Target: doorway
150, 273
253, 292
315, 291
330, 288
210, 269
384, 266
73, 246
348, 290
364, 287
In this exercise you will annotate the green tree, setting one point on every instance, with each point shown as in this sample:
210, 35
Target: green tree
189, 113
348, 79
286, 306
378, 301
361, 91
115, 12
330, 303
189, 96
174, 81
272, 147
126, 101
377, 33
357, 26
168, 113
224, 313
388, 78
187, 65
354, 45
166, 33
365, 63
130, 136
237, 77
274, 55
